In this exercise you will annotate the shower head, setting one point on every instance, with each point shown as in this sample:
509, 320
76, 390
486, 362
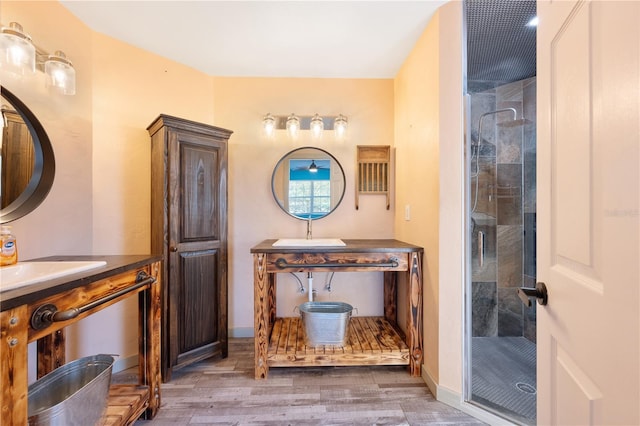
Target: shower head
498, 111
514, 122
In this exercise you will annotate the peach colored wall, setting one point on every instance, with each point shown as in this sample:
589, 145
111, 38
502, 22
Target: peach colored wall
416, 141
100, 199
240, 104
128, 94
429, 144
63, 222
451, 242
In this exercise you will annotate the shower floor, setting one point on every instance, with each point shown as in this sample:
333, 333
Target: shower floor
504, 376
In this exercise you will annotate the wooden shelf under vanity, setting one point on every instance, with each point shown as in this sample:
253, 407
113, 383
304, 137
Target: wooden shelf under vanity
279, 342
370, 341
126, 404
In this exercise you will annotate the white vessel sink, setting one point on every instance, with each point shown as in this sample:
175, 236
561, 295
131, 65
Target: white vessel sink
302, 242
25, 273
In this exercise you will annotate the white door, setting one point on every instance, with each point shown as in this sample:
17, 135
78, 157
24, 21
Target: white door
588, 212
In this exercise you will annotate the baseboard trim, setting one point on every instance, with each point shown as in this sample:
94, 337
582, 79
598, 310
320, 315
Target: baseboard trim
431, 384
241, 332
125, 363
454, 399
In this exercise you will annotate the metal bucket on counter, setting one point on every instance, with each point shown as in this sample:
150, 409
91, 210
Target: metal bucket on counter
325, 323
73, 394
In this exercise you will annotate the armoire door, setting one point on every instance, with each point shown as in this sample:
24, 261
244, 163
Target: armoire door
197, 247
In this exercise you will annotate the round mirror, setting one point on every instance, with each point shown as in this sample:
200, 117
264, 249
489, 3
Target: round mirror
27, 162
308, 183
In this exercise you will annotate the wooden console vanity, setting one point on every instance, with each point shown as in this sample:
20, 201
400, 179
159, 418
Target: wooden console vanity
86, 292
372, 340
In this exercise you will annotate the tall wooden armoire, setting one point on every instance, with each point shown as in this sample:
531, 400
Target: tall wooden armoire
189, 228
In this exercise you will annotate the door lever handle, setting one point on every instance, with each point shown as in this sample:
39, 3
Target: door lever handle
540, 293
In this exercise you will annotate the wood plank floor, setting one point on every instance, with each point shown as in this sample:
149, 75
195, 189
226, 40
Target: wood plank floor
224, 392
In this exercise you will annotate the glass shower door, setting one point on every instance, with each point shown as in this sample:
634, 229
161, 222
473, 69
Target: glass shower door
501, 181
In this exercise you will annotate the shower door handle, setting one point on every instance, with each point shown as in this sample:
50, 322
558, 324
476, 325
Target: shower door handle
480, 249
540, 293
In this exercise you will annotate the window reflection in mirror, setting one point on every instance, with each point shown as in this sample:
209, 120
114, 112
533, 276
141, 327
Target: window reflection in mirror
309, 188
308, 183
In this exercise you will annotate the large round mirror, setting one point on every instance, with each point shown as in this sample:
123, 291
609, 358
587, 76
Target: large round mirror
27, 162
308, 183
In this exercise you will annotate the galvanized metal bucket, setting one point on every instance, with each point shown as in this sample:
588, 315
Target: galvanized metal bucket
326, 323
74, 394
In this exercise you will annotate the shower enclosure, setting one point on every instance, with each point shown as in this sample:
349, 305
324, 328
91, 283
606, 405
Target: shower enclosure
502, 215
500, 142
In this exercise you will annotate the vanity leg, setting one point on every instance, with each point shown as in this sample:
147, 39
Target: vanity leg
51, 352
391, 296
414, 326
14, 331
149, 318
264, 310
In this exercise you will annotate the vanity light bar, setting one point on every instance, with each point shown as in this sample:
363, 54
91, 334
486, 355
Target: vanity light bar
19, 55
305, 121
316, 124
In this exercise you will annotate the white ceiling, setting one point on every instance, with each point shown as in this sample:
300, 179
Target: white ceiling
305, 38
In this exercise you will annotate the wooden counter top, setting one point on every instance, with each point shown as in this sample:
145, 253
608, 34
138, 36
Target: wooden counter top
359, 245
116, 264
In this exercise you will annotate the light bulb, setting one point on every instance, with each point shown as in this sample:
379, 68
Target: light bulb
340, 127
60, 73
293, 126
269, 125
17, 52
316, 126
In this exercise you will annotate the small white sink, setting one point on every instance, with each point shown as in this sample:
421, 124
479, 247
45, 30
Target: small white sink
25, 273
301, 242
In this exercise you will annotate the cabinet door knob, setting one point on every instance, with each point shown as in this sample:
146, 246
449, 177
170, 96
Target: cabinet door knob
173, 249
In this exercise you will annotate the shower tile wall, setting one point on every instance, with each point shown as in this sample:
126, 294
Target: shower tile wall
505, 211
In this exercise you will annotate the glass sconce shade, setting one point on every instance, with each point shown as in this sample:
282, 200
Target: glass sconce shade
269, 125
316, 126
61, 75
17, 52
340, 127
293, 126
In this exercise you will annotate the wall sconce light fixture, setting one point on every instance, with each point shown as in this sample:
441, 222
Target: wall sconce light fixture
269, 125
293, 126
18, 52
20, 56
340, 127
316, 124
317, 127
60, 73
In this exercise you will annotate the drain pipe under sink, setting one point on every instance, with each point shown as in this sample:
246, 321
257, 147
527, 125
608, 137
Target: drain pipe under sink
310, 280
